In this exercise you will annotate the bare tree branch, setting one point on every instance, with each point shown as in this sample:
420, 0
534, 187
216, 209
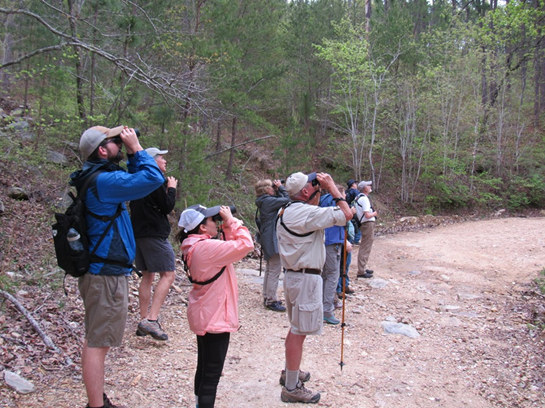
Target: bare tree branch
237, 145
32, 54
170, 86
46, 339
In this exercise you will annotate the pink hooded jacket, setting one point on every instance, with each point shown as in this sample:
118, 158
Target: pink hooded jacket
213, 308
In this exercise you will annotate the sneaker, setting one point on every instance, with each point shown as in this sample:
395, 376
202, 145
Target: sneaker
300, 394
365, 275
276, 306
153, 328
331, 320
369, 271
304, 376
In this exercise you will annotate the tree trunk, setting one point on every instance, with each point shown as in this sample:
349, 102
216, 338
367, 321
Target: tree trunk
229, 170
218, 136
93, 65
367, 16
7, 53
74, 12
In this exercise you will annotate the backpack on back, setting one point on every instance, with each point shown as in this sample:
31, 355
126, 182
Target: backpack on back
75, 261
357, 221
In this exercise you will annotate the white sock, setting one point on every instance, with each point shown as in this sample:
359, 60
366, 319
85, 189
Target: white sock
292, 378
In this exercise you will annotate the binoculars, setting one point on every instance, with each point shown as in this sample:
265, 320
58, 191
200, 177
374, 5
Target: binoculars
217, 217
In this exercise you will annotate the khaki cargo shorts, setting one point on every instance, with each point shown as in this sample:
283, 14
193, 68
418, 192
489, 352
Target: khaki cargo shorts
105, 299
303, 293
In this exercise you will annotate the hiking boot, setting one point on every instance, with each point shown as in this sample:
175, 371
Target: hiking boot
366, 275
276, 306
140, 333
338, 304
304, 376
153, 328
349, 291
331, 320
106, 403
300, 394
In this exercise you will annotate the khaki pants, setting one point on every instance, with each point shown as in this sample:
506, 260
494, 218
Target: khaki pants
367, 233
270, 281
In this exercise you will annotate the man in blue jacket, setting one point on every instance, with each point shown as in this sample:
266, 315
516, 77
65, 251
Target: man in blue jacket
104, 288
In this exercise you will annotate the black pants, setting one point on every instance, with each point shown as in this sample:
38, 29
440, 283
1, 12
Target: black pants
212, 349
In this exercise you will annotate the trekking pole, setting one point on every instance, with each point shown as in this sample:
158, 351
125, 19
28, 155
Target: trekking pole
260, 259
343, 274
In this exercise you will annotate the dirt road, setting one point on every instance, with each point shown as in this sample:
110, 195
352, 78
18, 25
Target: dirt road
466, 288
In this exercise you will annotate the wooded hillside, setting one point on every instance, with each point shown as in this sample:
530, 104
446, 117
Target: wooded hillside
440, 103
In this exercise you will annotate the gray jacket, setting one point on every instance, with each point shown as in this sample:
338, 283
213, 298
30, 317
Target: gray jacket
268, 206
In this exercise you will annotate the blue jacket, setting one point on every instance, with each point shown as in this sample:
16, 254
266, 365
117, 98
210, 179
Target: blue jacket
112, 188
335, 234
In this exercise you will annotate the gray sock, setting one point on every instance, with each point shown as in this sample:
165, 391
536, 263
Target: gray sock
292, 378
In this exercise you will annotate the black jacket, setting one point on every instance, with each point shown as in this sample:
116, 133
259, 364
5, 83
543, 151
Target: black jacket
149, 214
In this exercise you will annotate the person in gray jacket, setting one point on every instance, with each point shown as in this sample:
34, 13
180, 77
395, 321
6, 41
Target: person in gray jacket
271, 195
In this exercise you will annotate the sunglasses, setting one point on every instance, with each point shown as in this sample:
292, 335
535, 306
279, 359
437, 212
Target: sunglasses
117, 140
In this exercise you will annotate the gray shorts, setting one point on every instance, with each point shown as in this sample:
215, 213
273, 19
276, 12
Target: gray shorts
105, 299
154, 255
303, 294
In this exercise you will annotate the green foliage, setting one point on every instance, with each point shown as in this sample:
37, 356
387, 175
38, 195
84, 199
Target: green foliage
195, 166
446, 194
540, 281
420, 88
526, 192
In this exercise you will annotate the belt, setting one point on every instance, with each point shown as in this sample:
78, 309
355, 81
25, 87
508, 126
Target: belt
307, 270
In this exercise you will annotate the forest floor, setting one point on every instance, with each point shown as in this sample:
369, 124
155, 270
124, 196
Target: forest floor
469, 289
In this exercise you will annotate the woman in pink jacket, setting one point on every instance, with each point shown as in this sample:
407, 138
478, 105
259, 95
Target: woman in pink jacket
212, 311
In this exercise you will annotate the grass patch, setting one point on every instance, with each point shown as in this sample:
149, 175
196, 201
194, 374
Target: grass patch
540, 281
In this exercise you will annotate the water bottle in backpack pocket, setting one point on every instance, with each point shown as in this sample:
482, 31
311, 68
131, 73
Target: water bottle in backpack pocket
71, 247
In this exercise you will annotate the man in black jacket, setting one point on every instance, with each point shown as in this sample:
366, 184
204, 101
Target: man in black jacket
154, 252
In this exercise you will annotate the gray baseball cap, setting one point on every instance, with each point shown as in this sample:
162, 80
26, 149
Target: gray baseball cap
92, 137
153, 151
363, 184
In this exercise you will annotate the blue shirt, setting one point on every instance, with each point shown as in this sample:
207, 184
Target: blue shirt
335, 234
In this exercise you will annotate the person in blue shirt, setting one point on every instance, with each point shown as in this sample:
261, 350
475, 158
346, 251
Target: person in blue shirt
351, 193
104, 288
334, 240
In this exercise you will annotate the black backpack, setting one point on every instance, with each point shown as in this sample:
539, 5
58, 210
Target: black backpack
355, 220
76, 263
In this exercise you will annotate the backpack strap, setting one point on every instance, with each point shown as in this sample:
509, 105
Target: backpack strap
279, 216
257, 220
212, 279
359, 205
82, 193
195, 282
